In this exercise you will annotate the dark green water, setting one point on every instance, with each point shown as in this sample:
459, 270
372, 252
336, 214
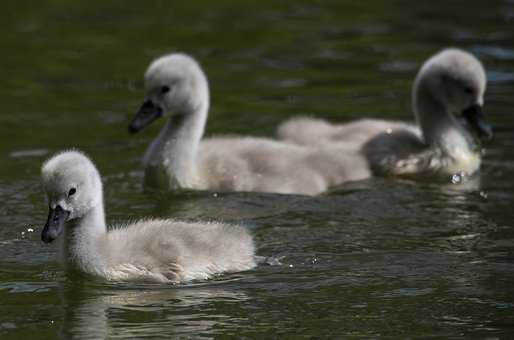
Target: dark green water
375, 258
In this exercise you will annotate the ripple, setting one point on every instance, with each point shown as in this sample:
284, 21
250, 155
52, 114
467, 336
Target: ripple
27, 287
29, 153
406, 292
498, 52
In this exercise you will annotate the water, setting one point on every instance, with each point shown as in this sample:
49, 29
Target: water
375, 258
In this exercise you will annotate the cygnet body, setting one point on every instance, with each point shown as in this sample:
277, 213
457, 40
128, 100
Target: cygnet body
178, 158
451, 82
159, 250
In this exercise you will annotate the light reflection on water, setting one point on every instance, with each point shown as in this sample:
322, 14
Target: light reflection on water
104, 312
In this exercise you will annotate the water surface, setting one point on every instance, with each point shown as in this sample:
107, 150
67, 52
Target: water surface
379, 257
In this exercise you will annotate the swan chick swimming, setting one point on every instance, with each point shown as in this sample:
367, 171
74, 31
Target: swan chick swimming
159, 250
450, 83
178, 158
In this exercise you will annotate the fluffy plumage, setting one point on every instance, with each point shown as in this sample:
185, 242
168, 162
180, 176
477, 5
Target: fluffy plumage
160, 250
449, 83
178, 158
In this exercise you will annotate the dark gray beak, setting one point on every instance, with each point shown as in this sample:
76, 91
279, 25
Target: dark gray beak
146, 114
475, 118
54, 224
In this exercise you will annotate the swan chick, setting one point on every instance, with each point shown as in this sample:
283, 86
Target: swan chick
447, 100
158, 250
179, 158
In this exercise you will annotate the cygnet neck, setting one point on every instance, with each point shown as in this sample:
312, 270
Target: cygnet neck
83, 239
440, 127
173, 153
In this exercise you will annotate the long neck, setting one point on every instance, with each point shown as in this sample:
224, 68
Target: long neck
440, 128
172, 156
83, 241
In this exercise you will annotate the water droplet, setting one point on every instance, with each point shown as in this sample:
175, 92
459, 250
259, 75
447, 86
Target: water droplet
30, 230
215, 194
291, 266
483, 194
458, 177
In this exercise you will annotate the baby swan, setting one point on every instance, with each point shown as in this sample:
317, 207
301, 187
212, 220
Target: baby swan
179, 159
449, 83
165, 251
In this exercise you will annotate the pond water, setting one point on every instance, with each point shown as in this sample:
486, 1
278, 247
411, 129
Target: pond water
380, 257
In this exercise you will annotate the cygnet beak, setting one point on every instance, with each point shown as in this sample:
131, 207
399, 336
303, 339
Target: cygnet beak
146, 114
54, 224
475, 117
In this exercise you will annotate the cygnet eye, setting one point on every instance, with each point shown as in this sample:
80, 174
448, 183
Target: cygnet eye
165, 89
72, 192
468, 90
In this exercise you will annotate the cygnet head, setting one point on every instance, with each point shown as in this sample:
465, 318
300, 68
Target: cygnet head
174, 84
455, 81
73, 188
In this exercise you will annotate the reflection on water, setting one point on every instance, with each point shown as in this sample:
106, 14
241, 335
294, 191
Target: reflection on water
130, 312
381, 257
